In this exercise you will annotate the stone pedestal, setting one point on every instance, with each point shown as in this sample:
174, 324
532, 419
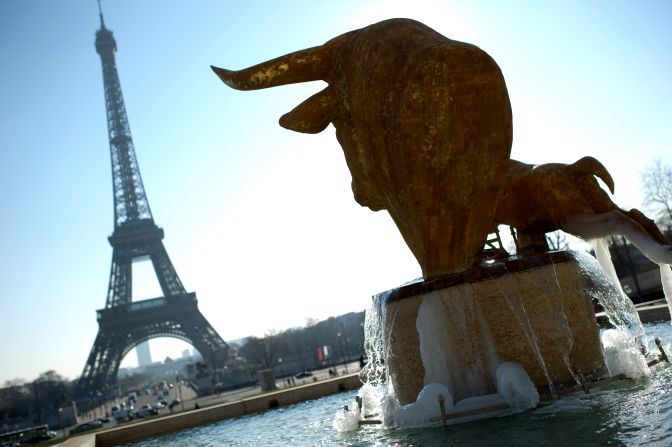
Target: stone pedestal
536, 311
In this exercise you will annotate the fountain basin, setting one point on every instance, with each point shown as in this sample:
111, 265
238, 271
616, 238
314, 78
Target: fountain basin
456, 329
626, 412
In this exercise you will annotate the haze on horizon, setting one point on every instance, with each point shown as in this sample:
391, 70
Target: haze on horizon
260, 221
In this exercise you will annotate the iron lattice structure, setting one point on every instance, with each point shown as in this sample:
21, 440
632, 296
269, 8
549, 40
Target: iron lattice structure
123, 324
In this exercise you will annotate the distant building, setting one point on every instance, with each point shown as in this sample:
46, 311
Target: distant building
144, 355
186, 354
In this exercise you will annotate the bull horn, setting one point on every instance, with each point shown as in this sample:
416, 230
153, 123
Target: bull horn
311, 64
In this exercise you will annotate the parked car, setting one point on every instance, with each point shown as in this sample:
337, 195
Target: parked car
146, 411
304, 374
86, 426
122, 413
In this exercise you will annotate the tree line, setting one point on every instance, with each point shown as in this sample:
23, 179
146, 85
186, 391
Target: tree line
338, 339
325, 343
35, 402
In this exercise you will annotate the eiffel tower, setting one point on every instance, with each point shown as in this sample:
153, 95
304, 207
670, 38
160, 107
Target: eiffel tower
123, 324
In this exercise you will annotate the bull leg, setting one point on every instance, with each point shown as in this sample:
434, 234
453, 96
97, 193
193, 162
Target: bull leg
531, 243
595, 226
648, 225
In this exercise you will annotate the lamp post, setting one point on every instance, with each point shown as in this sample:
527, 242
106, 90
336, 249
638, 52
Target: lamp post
347, 354
342, 349
213, 375
61, 420
282, 371
179, 390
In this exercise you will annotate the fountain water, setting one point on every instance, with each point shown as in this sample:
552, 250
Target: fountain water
619, 308
457, 330
467, 364
456, 349
626, 413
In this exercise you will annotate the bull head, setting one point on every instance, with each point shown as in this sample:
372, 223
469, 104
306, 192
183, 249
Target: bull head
424, 123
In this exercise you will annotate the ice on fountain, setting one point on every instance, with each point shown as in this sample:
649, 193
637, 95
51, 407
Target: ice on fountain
516, 393
607, 289
666, 280
452, 352
458, 352
371, 397
549, 289
424, 411
623, 345
515, 302
622, 355
346, 419
515, 386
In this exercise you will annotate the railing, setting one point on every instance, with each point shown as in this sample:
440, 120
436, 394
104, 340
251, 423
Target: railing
147, 304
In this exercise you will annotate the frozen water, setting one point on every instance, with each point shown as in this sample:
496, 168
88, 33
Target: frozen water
666, 280
515, 301
346, 419
596, 226
459, 357
606, 288
456, 346
515, 386
622, 356
424, 411
371, 396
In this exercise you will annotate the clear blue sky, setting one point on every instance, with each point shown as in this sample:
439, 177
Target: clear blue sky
259, 221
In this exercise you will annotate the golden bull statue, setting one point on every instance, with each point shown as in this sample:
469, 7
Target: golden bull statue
425, 125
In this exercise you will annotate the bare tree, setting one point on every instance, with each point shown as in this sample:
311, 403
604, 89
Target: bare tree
557, 240
263, 351
310, 322
51, 390
14, 382
16, 400
657, 186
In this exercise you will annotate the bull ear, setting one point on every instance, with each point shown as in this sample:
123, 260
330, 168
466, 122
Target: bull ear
313, 115
306, 65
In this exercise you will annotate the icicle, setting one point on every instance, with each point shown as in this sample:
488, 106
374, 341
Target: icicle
666, 280
618, 307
